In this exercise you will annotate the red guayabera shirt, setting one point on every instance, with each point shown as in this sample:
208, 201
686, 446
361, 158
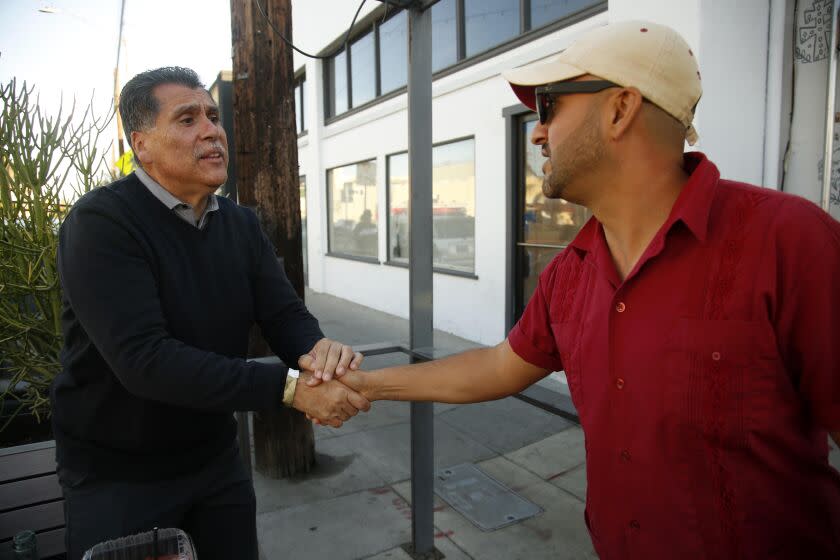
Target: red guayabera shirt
706, 381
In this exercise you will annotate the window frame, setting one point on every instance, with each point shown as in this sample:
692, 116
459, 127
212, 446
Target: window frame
339, 254
390, 262
371, 23
300, 102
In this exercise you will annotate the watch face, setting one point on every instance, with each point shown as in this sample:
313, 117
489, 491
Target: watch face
294, 373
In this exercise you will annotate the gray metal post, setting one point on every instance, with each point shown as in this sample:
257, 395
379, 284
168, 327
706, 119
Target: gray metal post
830, 104
420, 266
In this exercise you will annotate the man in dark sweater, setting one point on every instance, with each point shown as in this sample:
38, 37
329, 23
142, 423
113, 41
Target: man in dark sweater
162, 282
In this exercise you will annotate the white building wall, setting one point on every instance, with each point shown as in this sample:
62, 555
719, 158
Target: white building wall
731, 40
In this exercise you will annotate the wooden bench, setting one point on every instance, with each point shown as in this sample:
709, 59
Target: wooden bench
30, 498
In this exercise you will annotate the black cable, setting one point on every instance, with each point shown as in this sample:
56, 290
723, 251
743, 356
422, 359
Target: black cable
285, 40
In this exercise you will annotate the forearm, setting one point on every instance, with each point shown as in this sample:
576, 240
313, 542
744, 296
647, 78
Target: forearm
167, 370
473, 376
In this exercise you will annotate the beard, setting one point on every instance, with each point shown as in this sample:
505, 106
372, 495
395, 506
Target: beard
579, 154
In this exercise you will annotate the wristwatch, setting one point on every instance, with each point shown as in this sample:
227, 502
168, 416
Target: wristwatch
291, 384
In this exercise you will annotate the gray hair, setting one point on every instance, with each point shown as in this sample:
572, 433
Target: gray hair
138, 105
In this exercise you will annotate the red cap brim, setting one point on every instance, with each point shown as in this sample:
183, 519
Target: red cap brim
526, 95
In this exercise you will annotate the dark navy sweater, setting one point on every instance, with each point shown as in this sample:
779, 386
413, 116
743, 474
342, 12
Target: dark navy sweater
156, 317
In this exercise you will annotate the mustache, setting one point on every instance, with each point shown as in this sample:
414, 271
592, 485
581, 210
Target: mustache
214, 148
545, 150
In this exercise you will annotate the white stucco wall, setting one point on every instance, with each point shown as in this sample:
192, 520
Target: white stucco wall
731, 40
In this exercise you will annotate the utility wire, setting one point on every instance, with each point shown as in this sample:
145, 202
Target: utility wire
288, 42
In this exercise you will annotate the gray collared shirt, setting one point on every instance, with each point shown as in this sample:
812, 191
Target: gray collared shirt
182, 209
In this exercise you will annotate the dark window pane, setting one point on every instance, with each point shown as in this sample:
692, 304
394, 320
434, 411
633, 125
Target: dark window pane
352, 209
546, 11
534, 260
338, 81
444, 35
302, 105
298, 110
398, 208
362, 70
489, 23
393, 53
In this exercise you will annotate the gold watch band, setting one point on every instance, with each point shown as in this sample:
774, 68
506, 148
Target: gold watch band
289, 390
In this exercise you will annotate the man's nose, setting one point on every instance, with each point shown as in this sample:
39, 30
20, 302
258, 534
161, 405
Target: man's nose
539, 136
210, 129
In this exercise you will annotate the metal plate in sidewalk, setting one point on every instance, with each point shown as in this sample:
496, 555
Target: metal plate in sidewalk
487, 503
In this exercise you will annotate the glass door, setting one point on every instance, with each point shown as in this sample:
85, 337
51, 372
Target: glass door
544, 226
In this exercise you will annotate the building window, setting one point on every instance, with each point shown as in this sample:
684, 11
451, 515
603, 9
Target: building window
461, 29
453, 206
544, 12
351, 194
393, 52
444, 34
300, 97
362, 71
489, 23
337, 79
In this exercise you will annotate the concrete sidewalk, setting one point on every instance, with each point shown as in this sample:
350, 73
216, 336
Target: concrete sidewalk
356, 504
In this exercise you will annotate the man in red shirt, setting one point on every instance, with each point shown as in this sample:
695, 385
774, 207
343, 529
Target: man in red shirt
697, 320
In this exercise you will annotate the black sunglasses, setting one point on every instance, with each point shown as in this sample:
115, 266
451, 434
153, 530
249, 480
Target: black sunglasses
544, 95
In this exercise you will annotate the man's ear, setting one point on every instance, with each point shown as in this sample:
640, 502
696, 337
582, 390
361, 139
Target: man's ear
140, 144
624, 107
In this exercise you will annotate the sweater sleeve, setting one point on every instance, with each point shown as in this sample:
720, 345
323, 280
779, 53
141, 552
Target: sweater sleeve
108, 279
286, 324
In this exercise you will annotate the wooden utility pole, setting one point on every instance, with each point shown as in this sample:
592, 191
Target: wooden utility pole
267, 180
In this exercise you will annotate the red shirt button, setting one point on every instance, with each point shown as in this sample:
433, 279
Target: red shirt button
620, 307
625, 456
716, 356
634, 525
619, 383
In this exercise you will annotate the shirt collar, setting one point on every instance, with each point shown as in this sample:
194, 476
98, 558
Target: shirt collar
694, 204
691, 208
167, 198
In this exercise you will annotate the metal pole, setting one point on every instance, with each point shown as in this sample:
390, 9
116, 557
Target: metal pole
420, 267
830, 109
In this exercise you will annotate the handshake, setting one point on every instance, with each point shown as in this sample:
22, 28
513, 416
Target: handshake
331, 388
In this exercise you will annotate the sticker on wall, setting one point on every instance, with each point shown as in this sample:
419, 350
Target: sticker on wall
835, 170
814, 31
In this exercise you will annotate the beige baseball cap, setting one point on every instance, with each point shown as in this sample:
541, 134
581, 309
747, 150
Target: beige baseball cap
651, 57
